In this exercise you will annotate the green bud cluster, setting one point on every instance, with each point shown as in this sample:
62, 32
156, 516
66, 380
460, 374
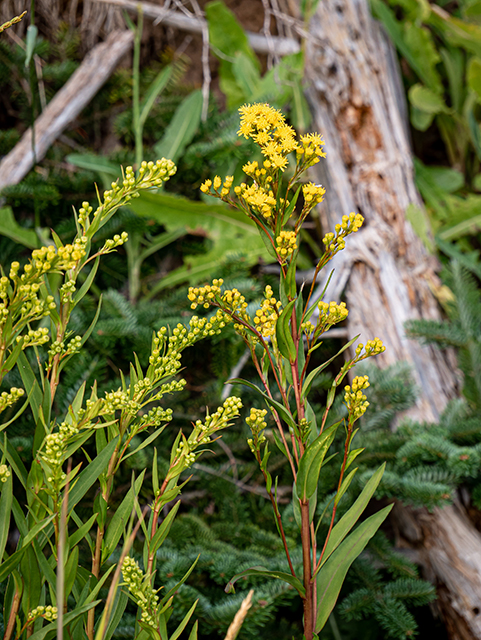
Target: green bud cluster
54, 450
141, 591
49, 612
7, 398
354, 399
257, 424
372, 348
66, 291
4, 473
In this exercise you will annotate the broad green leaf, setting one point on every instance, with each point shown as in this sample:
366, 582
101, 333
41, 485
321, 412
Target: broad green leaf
119, 522
311, 462
426, 100
246, 73
349, 519
90, 474
183, 127
420, 119
229, 230
457, 32
227, 39
332, 575
420, 224
423, 49
265, 573
447, 179
10, 228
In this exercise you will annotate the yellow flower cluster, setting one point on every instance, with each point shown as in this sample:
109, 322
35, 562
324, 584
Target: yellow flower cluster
336, 242
141, 590
286, 243
266, 317
34, 337
310, 150
313, 193
54, 449
373, 348
330, 314
205, 295
256, 424
213, 187
354, 398
261, 200
268, 128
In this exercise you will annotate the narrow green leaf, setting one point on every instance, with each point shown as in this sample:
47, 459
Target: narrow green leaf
349, 519
67, 619
265, 573
317, 370
81, 532
311, 462
345, 485
31, 40
85, 288
30, 382
163, 531
184, 622
283, 334
283, 412
6, 500
120, 604
331, 577
90, 474
193, 633
120, 520
155, 89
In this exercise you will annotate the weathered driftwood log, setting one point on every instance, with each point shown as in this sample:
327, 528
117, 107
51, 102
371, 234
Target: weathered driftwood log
177, 20
84, 83
385, 271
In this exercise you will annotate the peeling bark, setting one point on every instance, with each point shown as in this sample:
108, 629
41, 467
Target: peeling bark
386, 273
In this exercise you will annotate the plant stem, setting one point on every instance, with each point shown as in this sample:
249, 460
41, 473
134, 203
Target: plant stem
306, 564
139, 152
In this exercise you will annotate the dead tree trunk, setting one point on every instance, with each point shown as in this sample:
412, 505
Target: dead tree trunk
388, 277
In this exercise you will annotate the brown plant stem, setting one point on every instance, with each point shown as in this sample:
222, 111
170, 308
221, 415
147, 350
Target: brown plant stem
306, 564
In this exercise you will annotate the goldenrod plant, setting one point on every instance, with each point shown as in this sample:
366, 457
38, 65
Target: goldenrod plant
64, 559
281, 337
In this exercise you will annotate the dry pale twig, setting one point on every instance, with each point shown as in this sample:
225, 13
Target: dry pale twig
239, 617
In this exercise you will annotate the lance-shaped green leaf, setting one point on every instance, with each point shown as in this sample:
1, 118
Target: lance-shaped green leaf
315, 372
345, 486
5, 512
184, 622
283, 412
182, 128
311, 462
120, 520
163, 530
90, 474
331, 577
265, 573
283, 334
349, 519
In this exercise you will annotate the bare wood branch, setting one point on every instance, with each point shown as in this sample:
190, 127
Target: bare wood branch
84, 83
260, 44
